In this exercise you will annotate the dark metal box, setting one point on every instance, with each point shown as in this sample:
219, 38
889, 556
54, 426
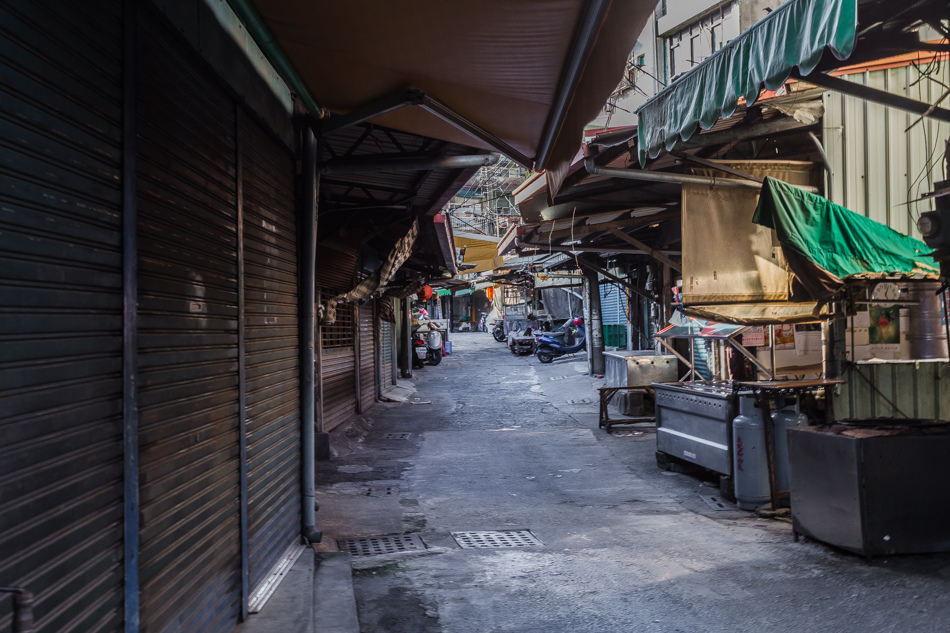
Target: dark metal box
871, 495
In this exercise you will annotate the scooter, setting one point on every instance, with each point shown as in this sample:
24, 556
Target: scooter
498, 331
426, 345
550, 346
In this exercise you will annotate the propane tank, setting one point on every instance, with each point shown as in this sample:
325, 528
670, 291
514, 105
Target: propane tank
749, 459
786, 415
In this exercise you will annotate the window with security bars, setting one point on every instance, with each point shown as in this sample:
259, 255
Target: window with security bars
340, 334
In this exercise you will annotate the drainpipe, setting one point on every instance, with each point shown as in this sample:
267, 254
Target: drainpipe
829, 190
308, 323
676, 179
275, 54
22, 609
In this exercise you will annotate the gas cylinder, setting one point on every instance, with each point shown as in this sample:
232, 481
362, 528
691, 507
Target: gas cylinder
786, 415
749, 459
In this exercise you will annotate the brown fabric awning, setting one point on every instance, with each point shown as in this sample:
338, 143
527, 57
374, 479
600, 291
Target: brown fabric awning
504, 65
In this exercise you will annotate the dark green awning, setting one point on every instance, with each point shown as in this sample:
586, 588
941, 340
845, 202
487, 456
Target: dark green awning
794, 35
825, 244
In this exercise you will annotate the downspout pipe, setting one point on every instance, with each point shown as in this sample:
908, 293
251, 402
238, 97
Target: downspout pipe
676, 179
308, 326
263, 37
584, 39
22, 609
829, 190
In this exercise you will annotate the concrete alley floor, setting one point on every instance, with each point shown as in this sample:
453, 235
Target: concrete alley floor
498, 442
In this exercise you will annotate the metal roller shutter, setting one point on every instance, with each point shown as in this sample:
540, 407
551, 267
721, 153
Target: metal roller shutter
190, 556
367, 358
335, 269
272, 353
386, 354
339, 368
61, 490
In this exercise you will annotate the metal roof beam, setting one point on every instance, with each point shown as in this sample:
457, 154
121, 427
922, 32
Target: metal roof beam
876, 96
372, 164
371, 110
453, 118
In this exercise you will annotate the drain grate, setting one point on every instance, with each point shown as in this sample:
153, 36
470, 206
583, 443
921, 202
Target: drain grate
375, 545
498, 539
580, 401
395, 436
558, 378
381, 491
714, 503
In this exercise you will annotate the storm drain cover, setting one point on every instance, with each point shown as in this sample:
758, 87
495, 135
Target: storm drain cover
381, 491
715, 503
498, 539
581, 401
374, 545
396, 436
557, 378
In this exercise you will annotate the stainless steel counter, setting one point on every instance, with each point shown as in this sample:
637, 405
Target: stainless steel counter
694, 423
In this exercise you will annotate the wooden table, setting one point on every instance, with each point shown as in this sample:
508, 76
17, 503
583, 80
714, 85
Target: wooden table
607, 394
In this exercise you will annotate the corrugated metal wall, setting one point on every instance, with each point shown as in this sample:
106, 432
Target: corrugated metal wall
61, 503
272, 349
899, 390
878, 165
188, 343
612, 300
367, 348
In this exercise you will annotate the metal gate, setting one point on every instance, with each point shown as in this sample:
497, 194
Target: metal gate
339, 368
367, 359
385, 354
189, 438
272, 353
61, 327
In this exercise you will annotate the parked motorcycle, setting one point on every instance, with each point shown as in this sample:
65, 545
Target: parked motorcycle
550, 345
426, 345
498, 331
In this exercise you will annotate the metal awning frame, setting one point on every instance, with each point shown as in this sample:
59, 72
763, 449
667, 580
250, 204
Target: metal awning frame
406, 98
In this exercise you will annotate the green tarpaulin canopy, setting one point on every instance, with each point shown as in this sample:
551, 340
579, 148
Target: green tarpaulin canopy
795, 34
824, 243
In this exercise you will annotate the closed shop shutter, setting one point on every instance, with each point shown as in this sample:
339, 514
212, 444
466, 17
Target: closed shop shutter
612, 301
61, 490
336, 269
272, 362
386, 354
367, 357
339, 368
190, 570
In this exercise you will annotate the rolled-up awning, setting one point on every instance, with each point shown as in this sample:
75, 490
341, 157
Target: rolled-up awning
759, 313
763, 57
519, 76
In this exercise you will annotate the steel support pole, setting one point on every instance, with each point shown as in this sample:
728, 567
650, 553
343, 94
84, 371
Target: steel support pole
308, 326
595, 329
406, 337
130, 407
